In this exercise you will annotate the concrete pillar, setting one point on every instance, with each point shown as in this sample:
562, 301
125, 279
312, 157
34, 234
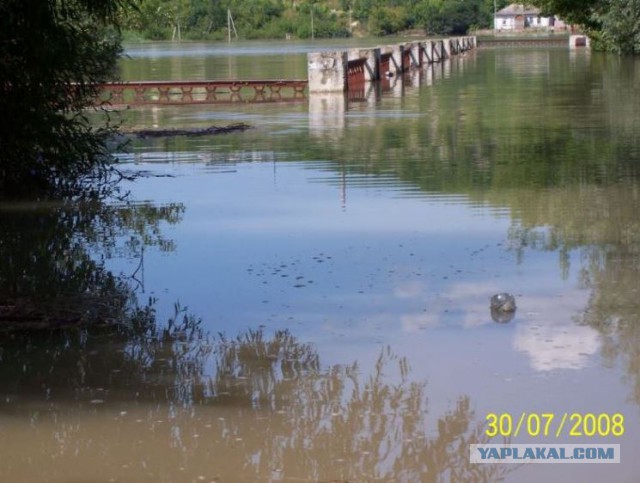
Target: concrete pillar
408, 50
446, 49
416, 58
327, 71
456, 45
428, 52
422, 52
396, 59
386, 50
439, 50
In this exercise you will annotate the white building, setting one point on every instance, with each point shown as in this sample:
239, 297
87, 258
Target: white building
518, 16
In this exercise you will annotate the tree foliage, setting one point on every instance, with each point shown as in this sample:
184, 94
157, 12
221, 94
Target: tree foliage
454, 17
385, 20
53, 56
206, 19
620, 27
613, 25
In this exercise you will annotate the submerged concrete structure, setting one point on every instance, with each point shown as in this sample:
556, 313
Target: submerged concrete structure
338, 71
578, 41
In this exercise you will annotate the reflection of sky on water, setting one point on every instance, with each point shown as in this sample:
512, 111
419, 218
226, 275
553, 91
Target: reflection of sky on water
358, 263
353, 263
552, 339
242, 48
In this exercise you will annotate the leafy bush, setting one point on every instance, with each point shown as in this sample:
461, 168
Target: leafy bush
453, 17
53, 57
387, 20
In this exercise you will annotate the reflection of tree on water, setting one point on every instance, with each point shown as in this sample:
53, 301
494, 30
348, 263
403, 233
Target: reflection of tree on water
614, 308
377, 424
253, 368
601, 224
53, 279
52, 272
302, 421
102, 347
131, 361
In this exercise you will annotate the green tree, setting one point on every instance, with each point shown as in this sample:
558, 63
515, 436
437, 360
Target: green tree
613, 25
453, 17
53, 56
385, 20
620, 27
572, 11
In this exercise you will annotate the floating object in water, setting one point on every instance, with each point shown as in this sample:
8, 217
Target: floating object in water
504, 302
503, 307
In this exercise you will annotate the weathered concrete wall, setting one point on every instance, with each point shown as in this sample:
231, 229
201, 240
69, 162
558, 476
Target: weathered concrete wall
327, 71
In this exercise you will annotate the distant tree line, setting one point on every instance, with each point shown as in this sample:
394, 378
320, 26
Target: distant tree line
208, 19
614, 25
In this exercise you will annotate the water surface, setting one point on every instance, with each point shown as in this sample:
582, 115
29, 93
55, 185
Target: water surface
309, 300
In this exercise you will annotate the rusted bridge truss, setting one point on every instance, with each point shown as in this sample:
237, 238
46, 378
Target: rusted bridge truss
203, 92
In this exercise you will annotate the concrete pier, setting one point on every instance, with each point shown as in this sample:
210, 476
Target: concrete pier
327, 71
338, 71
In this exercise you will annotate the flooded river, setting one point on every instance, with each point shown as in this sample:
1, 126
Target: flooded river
308, 300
